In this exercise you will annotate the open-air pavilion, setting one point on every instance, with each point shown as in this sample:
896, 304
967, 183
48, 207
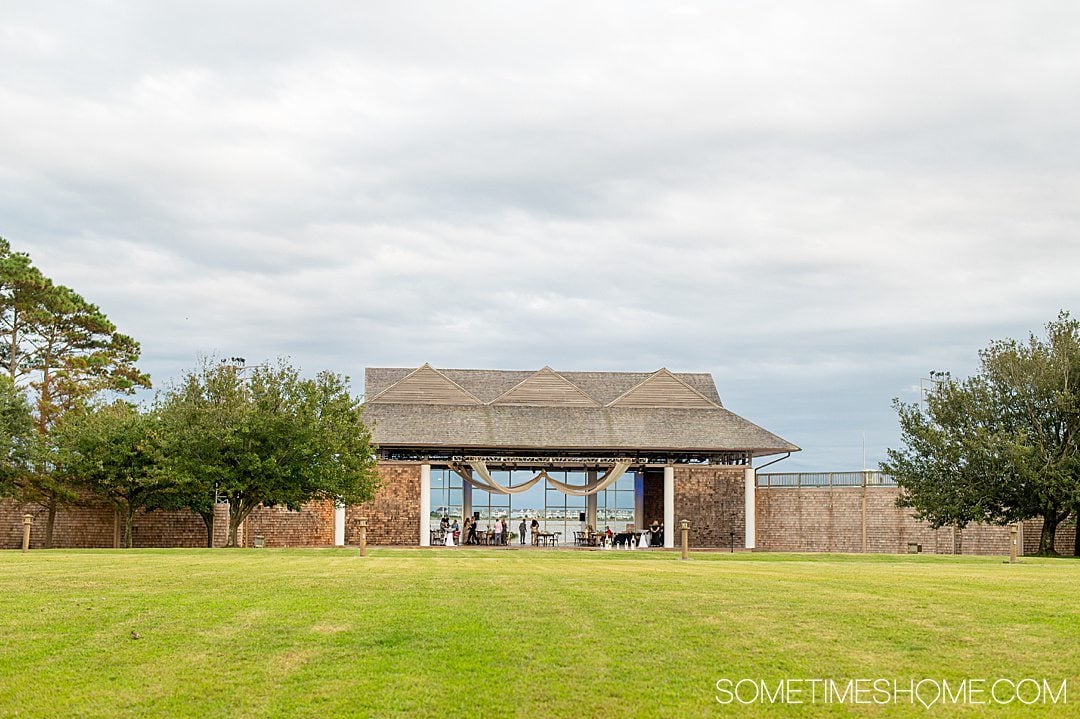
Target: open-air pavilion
572, 448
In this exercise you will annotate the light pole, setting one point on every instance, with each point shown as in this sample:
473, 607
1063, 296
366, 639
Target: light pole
931, 383
239, 364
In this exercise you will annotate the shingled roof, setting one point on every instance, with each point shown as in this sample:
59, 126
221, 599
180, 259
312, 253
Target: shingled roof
548, 410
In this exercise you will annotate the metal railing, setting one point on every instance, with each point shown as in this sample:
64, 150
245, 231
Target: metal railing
865, 478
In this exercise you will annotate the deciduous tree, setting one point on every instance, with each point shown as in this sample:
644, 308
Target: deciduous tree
271, 438
116, 452
1003, 445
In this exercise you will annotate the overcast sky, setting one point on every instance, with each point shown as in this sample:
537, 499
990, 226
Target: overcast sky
817, 203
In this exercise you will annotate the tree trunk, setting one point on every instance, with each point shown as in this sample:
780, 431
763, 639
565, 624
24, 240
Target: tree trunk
13, 367
234, 522
1048, 535
129, 516
208, 520
238, 512
1076, 541
50, 522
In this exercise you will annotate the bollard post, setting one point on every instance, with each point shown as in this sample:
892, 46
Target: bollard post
1012, 544
27, 520
362, 524
685, 538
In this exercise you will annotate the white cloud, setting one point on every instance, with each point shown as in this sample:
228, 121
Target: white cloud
816, 203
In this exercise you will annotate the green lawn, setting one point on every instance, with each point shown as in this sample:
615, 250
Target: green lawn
497, 634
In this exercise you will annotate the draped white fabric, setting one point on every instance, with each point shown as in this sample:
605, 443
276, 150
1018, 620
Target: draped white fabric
481, 479
599, 486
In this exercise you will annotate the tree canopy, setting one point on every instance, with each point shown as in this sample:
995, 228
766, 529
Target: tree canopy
1003, 445
64, 351
266, 435
116, 452
17, 437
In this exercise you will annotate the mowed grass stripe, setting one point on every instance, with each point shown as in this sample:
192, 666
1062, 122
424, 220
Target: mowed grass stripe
246, 633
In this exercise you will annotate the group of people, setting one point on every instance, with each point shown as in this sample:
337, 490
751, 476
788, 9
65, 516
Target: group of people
499, 533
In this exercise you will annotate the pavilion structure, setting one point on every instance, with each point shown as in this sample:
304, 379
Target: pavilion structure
578, 433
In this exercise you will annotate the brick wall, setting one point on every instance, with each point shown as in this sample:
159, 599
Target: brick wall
393, 516
310, 526
94, 524
830, 519
85, 526
1064, 538
712, 499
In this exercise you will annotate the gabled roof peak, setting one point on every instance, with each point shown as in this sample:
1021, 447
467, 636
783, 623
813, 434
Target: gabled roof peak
546, 388
425, 385
662, 389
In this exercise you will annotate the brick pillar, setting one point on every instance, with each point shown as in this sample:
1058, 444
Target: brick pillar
221, 524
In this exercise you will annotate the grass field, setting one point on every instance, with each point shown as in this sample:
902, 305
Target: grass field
489, 633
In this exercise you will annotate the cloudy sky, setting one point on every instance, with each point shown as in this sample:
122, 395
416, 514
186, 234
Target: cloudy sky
816, 202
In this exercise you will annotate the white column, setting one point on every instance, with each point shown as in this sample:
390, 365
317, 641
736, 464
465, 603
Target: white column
639, 500
339, 524
466, 500
669, 507
750, 507
425, 505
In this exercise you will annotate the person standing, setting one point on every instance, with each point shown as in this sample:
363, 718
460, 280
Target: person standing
521, 531
498, 531
534, 529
